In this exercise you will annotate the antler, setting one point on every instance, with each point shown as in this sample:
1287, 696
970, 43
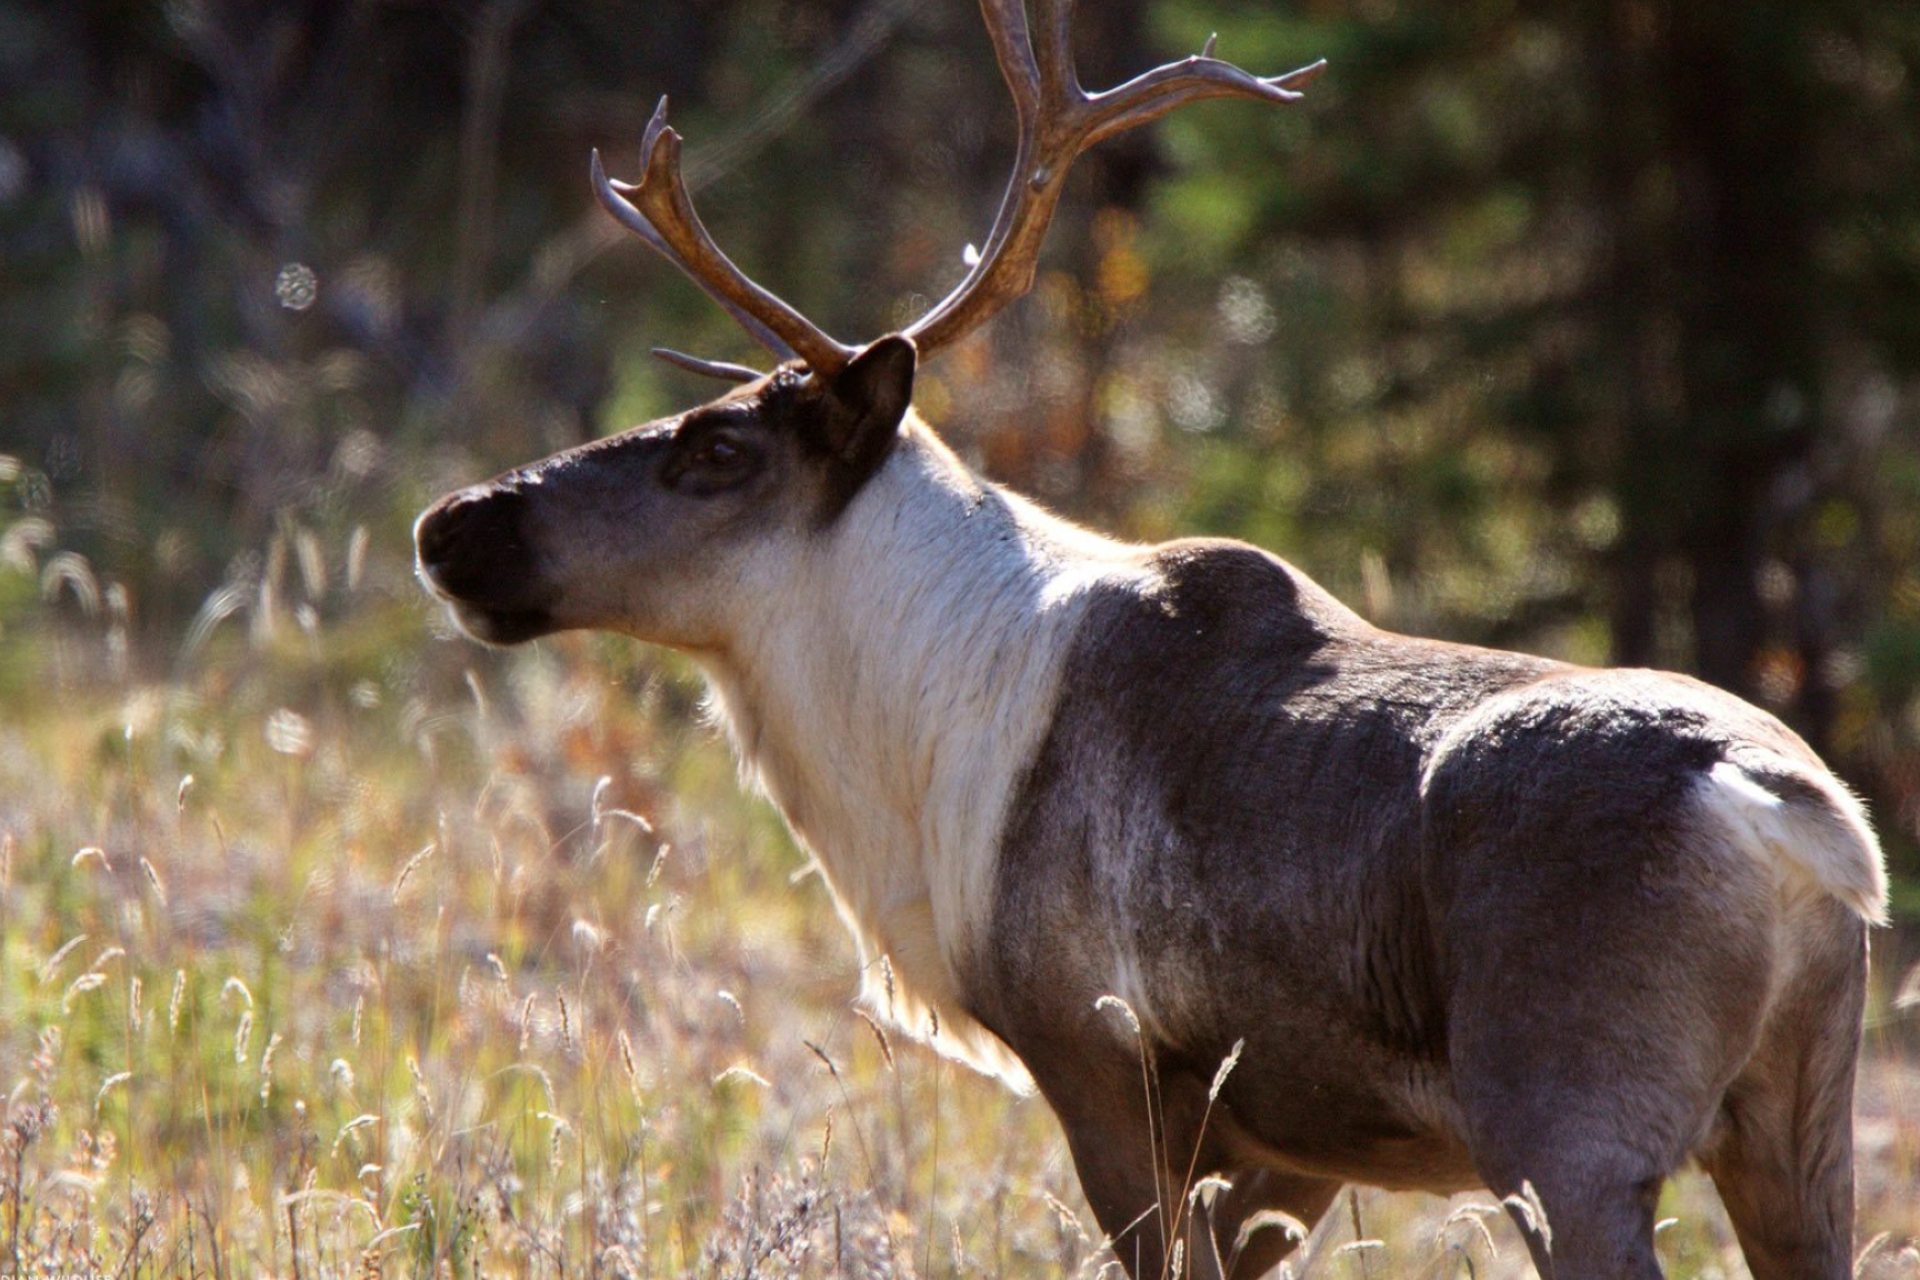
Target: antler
660, 212
1058, 120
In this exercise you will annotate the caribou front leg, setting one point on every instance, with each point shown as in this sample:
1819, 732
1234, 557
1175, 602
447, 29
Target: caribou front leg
1297, 1195
1142, 1141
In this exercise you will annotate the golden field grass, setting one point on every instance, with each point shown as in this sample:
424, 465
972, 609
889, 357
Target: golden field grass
347, 948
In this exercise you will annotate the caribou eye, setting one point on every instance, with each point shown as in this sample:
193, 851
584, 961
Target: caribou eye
712, 465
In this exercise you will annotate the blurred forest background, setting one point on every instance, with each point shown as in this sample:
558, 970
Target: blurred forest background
1587, 328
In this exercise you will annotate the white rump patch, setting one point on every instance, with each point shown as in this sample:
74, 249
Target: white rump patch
1826, 842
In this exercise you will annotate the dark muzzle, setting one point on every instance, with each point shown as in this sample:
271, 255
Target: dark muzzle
473, 551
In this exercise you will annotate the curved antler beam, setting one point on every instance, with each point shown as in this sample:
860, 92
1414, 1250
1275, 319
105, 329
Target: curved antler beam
660, 212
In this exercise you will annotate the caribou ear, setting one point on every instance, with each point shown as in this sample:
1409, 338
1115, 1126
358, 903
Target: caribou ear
866, 401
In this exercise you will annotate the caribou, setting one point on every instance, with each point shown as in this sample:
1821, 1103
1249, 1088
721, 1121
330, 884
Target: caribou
1460, 918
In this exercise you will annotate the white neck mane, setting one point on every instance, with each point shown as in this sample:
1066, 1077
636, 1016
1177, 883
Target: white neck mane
887, 691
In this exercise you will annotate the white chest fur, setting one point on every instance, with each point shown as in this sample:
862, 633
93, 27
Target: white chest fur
902, 672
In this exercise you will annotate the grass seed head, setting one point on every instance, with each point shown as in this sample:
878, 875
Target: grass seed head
348, 1129
886, 1048
1227, 1064
111, 1082
741, 1071
626, 1058
1526, 1203
1474, 1217
1205, 1190
47, 1057
54, 961
1068, 1220
412, 865
821, 1054
1126, 1010
1269, 1220
266, 1067
80, 986
153, 879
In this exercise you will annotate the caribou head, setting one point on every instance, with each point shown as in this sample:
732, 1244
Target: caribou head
629, 533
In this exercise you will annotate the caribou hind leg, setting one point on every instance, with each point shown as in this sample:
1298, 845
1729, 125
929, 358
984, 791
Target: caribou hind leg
1578, 1119
1594, 1033
1584, 1203
1599, 1229
1781, 1154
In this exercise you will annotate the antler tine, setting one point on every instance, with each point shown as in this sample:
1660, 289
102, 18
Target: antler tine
651, 134
1059, 120
1013, 49
707, 368
1154, 93
1059, 81
614, 201
660, 212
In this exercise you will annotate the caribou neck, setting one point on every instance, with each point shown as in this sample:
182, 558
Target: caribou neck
889, 690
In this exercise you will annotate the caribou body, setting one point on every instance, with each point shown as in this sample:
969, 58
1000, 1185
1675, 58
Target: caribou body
1466, 917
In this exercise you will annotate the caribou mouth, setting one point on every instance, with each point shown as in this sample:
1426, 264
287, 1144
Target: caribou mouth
501, 627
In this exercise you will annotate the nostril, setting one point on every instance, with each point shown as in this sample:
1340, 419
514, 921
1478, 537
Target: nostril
437, 533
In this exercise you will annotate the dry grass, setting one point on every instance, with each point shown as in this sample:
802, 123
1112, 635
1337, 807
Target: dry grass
349, 949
